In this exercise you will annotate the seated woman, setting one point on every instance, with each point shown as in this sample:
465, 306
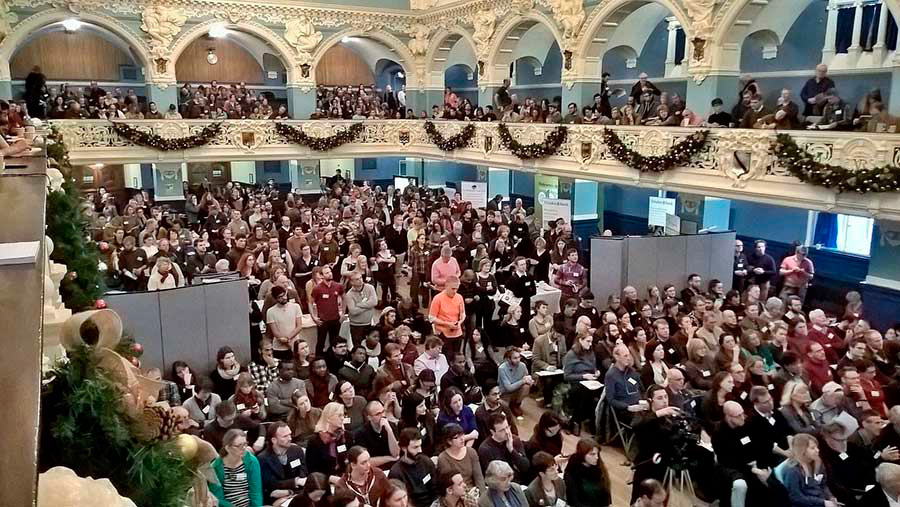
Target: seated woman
237, 470
249, 401
478, 358
586, 478
699, 367
315, 493
729, 353
719, 392
327, 449
501, 490
459, 458
655, 369
546, 437
302, 418
795, 400
367, 482
547, 488
453, 410
354, 405
580, 364
224, 377
414, 413
804, 476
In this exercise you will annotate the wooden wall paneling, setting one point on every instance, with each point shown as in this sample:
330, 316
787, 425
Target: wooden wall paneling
73, 56
341, 65
235, 63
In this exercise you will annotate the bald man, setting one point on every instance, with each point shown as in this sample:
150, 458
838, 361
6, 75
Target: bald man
623, 385
678, 396
738, 456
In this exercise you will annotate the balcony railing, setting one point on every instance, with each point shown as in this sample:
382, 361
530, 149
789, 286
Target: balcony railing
734, 163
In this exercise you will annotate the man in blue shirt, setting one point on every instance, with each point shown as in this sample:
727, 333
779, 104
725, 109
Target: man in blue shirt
623, 386
514, 380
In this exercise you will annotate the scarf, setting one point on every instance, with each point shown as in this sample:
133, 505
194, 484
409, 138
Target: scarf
248, 400
230, 373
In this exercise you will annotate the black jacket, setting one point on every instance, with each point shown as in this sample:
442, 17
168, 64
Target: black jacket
278, 476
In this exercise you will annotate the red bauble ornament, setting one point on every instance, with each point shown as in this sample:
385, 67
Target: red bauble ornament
100, 304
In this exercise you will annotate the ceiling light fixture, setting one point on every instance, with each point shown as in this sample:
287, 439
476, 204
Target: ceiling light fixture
401, 75
345, 39
71, 24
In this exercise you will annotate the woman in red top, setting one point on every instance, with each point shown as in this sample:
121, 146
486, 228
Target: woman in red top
368, 483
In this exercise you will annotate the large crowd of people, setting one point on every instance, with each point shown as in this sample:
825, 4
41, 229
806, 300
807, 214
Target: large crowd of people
420, 402
818, 106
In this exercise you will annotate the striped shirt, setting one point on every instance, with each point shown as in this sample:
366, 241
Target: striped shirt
235, 486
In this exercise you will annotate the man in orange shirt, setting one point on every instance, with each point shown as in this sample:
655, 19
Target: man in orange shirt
797, 271
447, 313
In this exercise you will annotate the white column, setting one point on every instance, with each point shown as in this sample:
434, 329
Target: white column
830, 32
855, 48
880, 48
670, 48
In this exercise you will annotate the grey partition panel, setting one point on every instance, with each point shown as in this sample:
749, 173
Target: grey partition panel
140, 316
183, 315
642, 262
608, 267
228, 322
721, 264
696, 259
670, 262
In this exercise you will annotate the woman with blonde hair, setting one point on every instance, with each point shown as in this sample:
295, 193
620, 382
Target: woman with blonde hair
501, 490
804, 476
327, 449
795, 400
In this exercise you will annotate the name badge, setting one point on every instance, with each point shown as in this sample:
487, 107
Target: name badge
241, 406
325, 248
771, 387
744, 395
828, 345
632, 381
266, 401
633, 313
490, 286
745, 440
521, 329
528, 284
346, 420
331, 395
765, 329
771, 421
875, 394
426, 479
325, 296
830, 335
843, 456
693, 403
705, 373
740, 265
479, 349
671, 351
295, 463
241, 476
342, 448
818, 477
206, 410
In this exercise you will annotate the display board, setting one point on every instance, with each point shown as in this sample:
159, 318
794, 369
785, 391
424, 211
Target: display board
475, 192
644, 261
187, 323
557, 208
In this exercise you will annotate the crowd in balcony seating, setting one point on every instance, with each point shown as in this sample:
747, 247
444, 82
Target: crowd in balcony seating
232, 102
433, 332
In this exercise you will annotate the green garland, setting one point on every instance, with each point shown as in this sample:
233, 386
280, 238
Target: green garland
677, 155
85, 428
805, 168
460, 140
549, 147
68, 227
297, 136
161, 143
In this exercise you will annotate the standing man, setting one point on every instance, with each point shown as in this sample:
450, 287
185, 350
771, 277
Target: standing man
796, 270
741, 267
327, 309
814, 90
360, 301
763, 268
571, 277
444, 268
448, 311
284, 322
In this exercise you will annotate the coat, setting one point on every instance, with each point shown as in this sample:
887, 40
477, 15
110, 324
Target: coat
534, 493
254, 481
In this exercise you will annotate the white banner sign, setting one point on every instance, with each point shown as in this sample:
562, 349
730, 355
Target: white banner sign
659, 208
475, 192
553, 209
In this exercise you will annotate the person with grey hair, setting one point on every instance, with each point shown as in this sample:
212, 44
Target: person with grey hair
887, 475
773, 312
796, 271
501, 490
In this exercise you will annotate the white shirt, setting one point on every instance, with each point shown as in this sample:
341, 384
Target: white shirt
401, 98
439, 366
891, 501
286, 318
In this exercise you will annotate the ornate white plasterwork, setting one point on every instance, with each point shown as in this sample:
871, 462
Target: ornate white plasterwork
161, 25
418, 44
302, 34
485, 24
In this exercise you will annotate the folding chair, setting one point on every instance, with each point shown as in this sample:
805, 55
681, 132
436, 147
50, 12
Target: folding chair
624, 432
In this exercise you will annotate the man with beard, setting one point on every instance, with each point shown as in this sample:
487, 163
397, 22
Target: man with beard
414, 469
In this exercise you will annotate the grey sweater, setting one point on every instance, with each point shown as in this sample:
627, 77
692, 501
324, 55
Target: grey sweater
278, 394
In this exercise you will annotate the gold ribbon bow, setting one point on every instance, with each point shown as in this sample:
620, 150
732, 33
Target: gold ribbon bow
139, 391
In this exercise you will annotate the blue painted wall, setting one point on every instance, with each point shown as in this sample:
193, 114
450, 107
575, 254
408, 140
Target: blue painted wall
801, 48
652, 59
529, 85
457, 77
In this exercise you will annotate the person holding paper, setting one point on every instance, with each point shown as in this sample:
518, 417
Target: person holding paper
580, 364
447, 311
623, 385
571, 277
548, 360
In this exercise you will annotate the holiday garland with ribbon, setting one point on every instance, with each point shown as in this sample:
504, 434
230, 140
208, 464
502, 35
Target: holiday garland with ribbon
161, 143
460, 140
549, 147
805, 168
677, 155
297, 136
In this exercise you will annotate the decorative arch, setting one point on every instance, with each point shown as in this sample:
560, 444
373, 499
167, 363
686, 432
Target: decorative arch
500, 54
20, 33
438, 39
404, 57
743, 19
284, 51
602, 14
624, 51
